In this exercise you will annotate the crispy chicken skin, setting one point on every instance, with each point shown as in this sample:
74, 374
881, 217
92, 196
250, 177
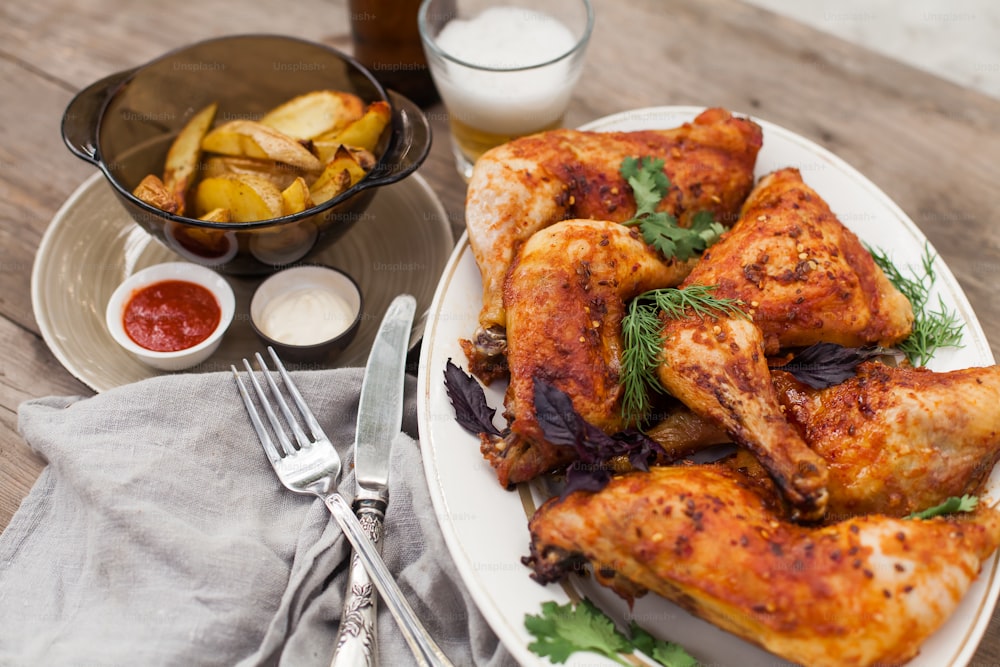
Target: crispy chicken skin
528, 184
899, 440
804, 278
805, 275
895, 440
865, 591
565, 295
717, 367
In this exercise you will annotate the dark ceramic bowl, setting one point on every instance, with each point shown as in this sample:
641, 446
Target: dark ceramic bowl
125, 123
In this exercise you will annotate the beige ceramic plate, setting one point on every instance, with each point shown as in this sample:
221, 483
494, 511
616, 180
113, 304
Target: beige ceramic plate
401, 245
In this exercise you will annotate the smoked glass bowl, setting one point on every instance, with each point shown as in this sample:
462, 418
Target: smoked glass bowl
124, 125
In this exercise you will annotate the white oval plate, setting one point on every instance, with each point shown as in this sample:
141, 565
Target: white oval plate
400, 244
485, 526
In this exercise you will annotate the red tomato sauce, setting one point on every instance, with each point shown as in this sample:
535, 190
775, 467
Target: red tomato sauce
171, 315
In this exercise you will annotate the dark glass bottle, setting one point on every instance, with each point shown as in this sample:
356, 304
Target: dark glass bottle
387, 42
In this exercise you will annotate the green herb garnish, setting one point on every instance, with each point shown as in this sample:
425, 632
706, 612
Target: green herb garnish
663, 652
932, 329
562, 630
660, 229
642, 337
951, 506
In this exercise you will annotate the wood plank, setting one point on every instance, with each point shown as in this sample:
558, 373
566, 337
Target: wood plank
36, 176
31, 373
79, 43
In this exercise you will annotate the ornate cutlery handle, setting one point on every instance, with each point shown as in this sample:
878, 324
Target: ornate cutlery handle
357, 639
424, 649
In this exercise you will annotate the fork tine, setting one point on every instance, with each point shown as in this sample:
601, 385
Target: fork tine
290, 418
279, 431
307, 414
258, 425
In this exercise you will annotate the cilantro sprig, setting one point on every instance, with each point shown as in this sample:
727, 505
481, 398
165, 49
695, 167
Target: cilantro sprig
953, 505
932, 329
642, 337
660, 230
562, 630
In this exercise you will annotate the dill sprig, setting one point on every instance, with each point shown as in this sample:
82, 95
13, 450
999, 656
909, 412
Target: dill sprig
932, 329
643, 337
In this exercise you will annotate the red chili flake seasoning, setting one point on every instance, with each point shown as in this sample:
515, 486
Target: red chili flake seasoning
171, 315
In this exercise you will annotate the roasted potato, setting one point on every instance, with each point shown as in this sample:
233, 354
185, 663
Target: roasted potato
296, 197
300, 154
152, 191
249, 138
326, 149
279, 173
365, 131
340, 173
184, 153
217, 215
312, 114
248, 198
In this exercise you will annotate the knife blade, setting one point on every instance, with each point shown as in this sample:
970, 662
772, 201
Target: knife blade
380, 408
380, 419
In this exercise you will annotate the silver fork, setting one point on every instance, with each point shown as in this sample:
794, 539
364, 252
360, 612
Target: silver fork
314, 467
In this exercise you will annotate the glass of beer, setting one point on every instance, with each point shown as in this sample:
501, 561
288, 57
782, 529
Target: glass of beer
504, 68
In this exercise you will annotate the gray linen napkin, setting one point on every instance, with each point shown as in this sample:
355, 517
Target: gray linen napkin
159, 535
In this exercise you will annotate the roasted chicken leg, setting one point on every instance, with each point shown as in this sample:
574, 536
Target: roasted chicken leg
803, 274
860, 592
895, 440
566, 294
898, 440
530, 183
716, 366
804, 278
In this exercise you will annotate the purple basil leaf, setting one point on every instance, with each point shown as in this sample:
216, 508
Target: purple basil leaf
585, 478
640, 448
472, 412
561, 424
639, 459
598, 445
824, 365
559, 421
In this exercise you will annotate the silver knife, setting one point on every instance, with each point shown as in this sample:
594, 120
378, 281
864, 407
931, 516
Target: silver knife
380, 419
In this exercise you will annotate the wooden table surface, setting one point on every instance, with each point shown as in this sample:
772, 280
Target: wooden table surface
932, 146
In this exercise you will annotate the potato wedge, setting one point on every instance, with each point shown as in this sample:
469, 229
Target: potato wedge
365, 131
365, 158
279, 173
181, 164
326, 149
340, 173
217, 215
332, 186
152, 191
247, 197
296, 198
312, 114
249, 138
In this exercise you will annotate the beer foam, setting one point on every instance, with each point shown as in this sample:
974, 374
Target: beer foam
511, 96
506, 38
